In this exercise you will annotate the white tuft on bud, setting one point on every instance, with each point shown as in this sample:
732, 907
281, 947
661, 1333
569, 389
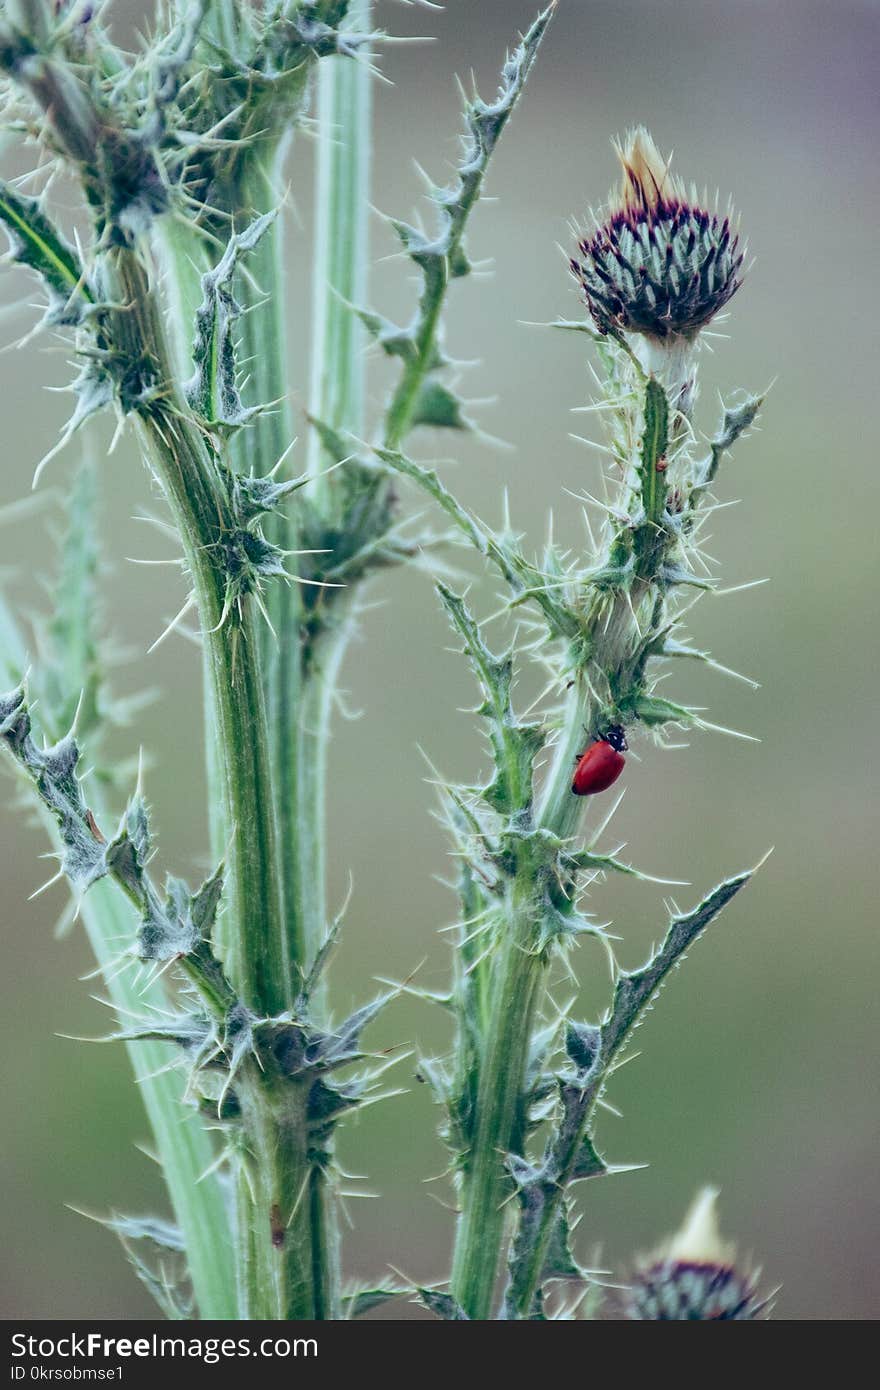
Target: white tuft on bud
647, 182
699, 1241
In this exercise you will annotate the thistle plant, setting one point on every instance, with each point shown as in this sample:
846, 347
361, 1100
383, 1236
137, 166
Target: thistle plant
170, 291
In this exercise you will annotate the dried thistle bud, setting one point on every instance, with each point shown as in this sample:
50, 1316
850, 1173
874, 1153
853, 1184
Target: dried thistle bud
659, 264
693, 1276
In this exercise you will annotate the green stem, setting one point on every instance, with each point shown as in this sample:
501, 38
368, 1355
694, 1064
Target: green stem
299, 703
337, 399
336, 395
266, 357
515, 991
400, 410
277, 1222
614, 638
319, 685
486, 1184
253, 939
273, 1277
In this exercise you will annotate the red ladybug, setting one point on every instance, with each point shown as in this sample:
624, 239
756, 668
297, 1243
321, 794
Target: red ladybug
601, 765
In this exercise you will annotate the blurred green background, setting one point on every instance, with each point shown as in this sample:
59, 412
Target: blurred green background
758, 1069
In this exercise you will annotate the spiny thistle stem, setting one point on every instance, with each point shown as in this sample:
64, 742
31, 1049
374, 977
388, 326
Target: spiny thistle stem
266, 361
520, 971
299, 699
515, 986
275, 1274
257, 963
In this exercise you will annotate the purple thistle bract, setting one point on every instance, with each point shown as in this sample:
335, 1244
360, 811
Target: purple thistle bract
659, 263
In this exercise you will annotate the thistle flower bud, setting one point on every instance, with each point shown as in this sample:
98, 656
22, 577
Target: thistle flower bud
659, 264
692, 1277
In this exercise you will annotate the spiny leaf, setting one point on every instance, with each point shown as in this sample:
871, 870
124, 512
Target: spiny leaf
213, 389
72, 669
570, 1154
165, 1278
361, 1301
254, 497
653, 450
35, 241
392, 339
514, 745
177, 927
588, 1162
636, 988
439, 408
442, 257
443, 1304
161, 1233
526, 582
582, 1043
342, 1044
429, 481
559, 1262
156, 1250
735, 421
484, 122
653, 711
94, 390
53, 772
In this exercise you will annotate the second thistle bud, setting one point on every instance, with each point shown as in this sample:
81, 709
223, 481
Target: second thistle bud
693, 1277
658, 264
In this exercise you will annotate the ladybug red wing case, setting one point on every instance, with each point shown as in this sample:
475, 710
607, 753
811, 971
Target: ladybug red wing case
597, 769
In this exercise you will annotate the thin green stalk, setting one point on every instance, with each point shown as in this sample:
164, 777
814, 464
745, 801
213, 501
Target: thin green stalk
401, 408
299, 707
179, 250
337, 399
515, 992
313, 722
483, 1222
336, 394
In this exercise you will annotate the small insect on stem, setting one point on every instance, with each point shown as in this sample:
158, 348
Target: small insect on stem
276, 1225
601, 765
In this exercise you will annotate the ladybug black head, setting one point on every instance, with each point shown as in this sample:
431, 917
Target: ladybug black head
615, 734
